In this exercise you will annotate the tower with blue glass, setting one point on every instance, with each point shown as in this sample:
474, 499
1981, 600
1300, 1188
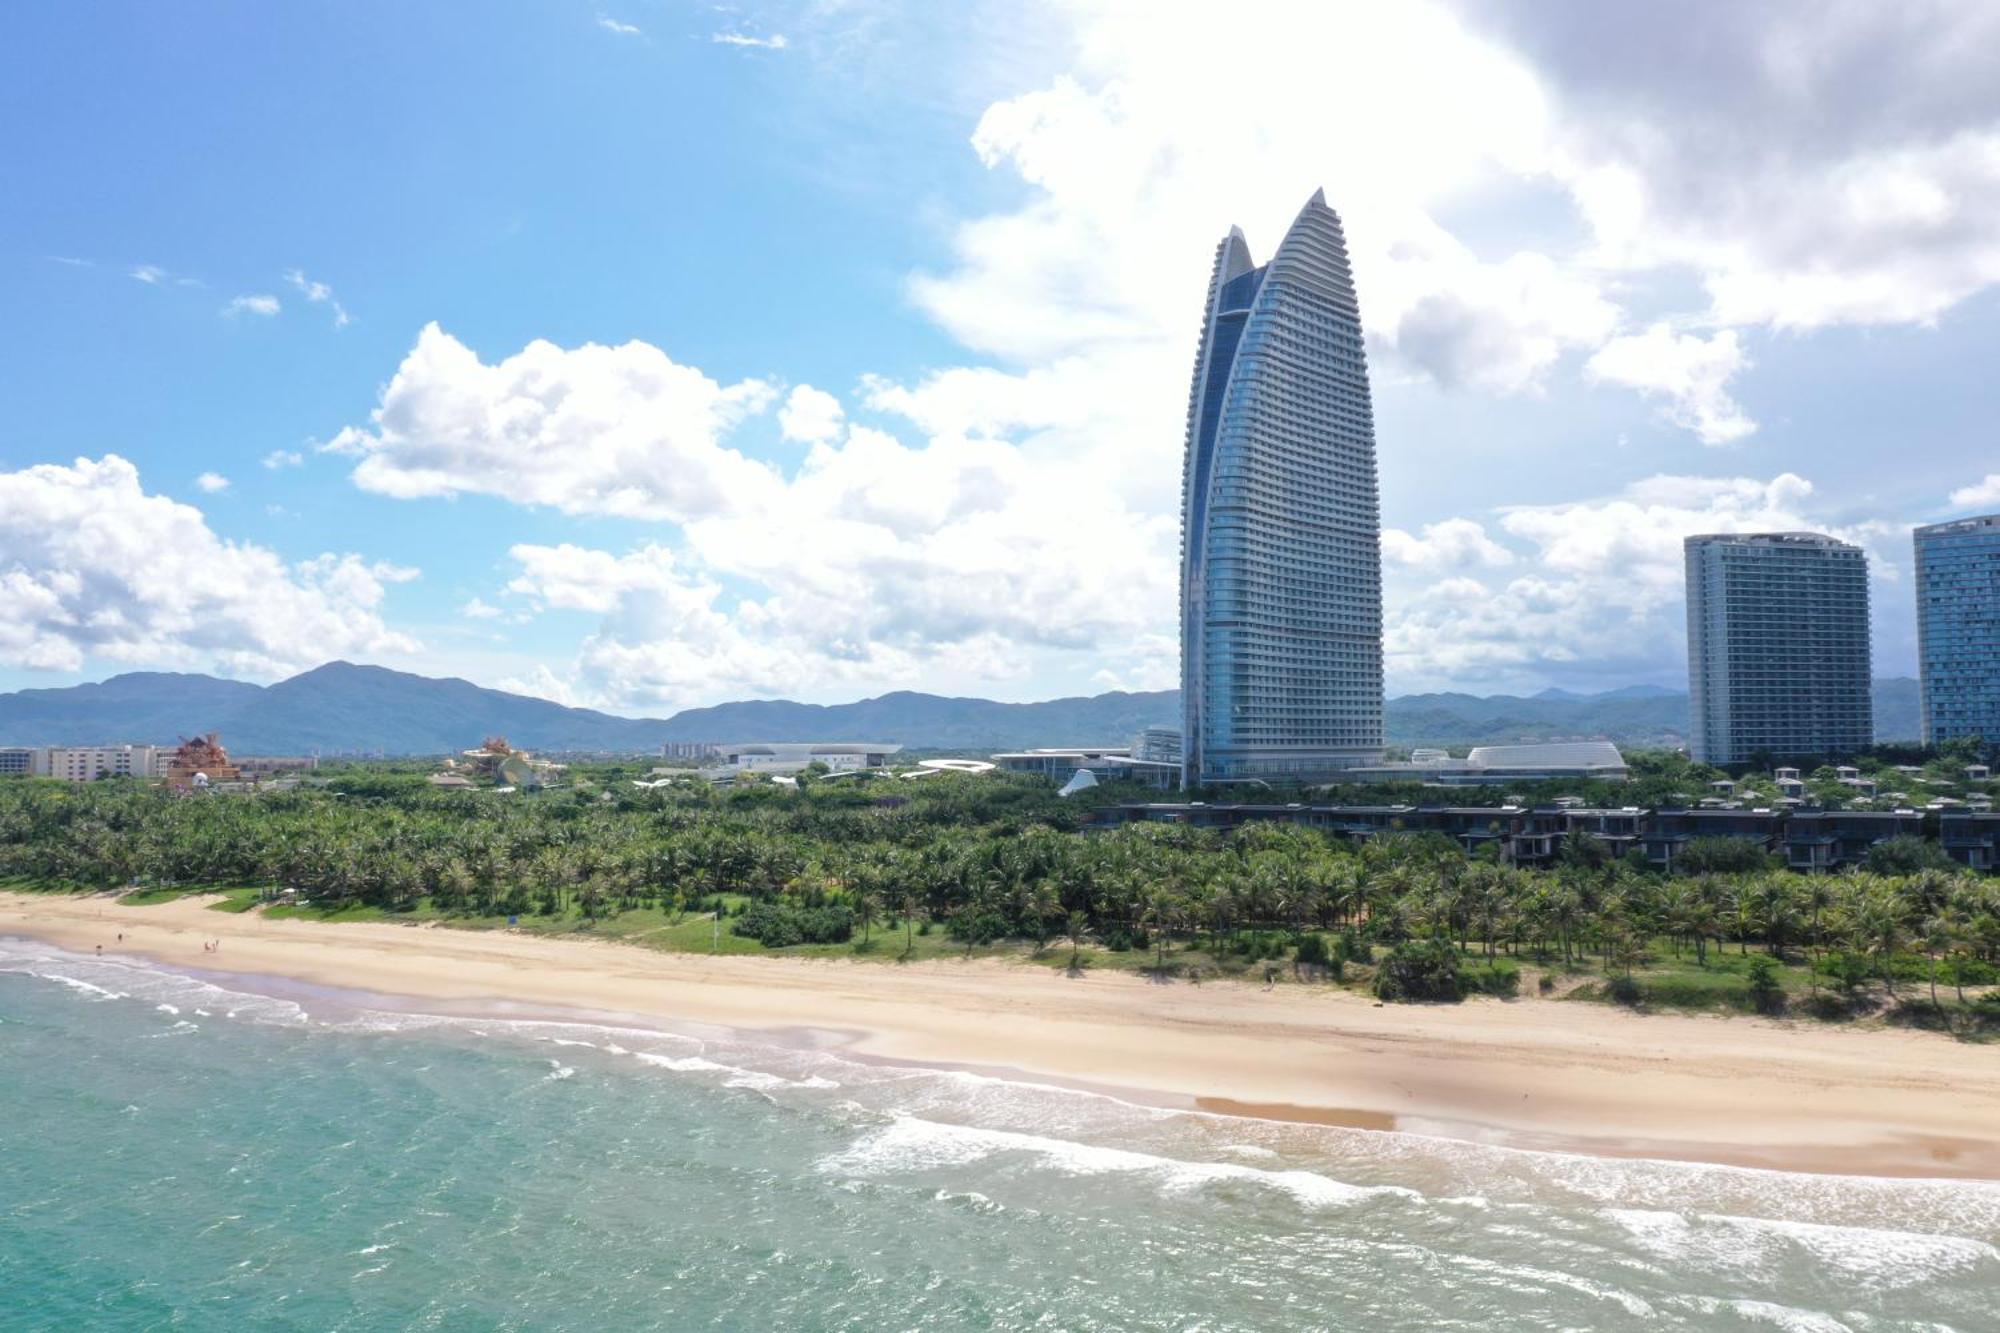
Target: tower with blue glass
1958, 628
1281, 581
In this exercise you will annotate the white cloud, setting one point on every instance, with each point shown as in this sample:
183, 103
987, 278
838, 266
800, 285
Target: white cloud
1985, 492
876, 562
541, 683
809, 415
612, 25
212, 483
476, 609
1730, 145
1601, 595
1837, 163
590, 430
318, 293
1455, 543
260, 304
1692, 373
775, 42
150, 274
94, 567
282, 458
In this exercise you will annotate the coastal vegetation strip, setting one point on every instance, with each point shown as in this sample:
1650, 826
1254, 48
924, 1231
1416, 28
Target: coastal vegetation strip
991, 866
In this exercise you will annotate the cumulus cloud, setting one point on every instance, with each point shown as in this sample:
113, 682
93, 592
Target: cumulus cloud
283, 458
541, 683
95, 567
810, 416
1599, 595
1829, 164
476, 609
212, 483
318, 293
1690, 372
1455, 543
1838, 164
591, 430
260, 304
1985, 492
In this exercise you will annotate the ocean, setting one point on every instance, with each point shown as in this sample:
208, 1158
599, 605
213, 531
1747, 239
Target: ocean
181, 1153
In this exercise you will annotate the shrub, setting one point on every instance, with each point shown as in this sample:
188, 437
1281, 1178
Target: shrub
1766, 995
1420, 970
968, 926
1847, 970
1312, 950
1498, 977
1122, 939
776, 926
1623, 990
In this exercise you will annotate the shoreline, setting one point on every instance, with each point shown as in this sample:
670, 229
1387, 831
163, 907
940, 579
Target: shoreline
1535, 1074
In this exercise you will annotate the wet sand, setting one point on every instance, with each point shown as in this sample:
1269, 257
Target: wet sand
1534, 1073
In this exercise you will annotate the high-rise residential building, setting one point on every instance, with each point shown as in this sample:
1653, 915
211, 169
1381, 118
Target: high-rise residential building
1778, 650
1281, 581
1958, 628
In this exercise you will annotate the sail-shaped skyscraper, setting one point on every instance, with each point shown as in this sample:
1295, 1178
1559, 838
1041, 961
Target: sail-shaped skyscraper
1281, 581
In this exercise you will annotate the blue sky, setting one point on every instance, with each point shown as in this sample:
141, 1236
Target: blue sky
653, 354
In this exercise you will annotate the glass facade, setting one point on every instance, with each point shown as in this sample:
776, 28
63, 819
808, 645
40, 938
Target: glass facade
1958, 628
1281, 596
1778, 647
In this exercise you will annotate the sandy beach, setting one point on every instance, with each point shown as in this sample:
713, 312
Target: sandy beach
1530, 1072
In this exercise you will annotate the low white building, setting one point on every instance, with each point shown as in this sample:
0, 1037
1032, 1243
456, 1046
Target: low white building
1113, 764
1499, 764
789, 758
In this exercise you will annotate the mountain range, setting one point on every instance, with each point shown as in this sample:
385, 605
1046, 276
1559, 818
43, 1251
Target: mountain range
342, 708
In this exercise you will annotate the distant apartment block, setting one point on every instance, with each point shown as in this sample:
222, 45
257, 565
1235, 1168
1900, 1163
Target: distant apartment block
1958, 628
1778, 646
1161, 744
87, 763
689, 750
263, 767
24, 761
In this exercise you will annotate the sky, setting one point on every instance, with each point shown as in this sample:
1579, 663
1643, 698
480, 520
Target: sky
647, 354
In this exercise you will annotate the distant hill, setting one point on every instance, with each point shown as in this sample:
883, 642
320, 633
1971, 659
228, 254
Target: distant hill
1636, 715
934, 721
341, 707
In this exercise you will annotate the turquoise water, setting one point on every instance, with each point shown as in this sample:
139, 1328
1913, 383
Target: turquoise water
177, 1154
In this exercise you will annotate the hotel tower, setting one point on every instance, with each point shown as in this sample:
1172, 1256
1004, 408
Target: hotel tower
1778, 651
1281, 581
1958, 628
